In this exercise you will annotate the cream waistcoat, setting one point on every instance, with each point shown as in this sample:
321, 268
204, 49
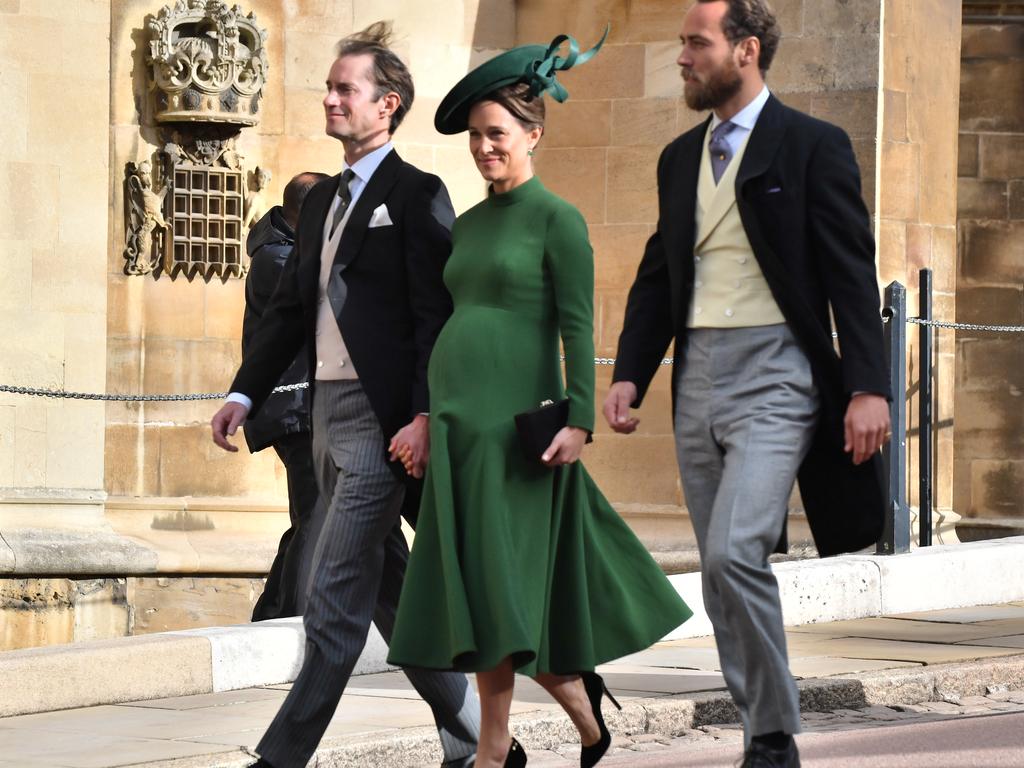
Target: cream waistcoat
332, 358
729, 288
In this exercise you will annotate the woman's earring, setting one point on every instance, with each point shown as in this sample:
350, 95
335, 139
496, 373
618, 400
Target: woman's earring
529, 153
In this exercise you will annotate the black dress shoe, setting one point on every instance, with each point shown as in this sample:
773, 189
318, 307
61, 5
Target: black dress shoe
260, 763
762, 756
596, 690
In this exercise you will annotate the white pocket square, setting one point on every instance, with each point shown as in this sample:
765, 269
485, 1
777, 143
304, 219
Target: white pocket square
380, 217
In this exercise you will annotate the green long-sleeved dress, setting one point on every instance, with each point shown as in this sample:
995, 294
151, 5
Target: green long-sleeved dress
511, 558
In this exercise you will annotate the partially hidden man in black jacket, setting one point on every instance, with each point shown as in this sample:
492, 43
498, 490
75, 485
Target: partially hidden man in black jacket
283, 422
763, 242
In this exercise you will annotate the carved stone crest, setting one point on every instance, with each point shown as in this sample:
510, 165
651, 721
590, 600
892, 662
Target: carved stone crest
208, 63
188, 206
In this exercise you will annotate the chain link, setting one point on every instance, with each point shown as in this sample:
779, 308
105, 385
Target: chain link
967, 326
60, 393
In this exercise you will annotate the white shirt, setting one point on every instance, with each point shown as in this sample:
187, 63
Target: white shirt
744, 120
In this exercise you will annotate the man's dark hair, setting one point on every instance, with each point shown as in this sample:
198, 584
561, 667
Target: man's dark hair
295, 192
389, 73
752, 18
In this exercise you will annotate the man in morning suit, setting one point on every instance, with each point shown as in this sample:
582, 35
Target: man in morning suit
283, 422
363, 290
762, 240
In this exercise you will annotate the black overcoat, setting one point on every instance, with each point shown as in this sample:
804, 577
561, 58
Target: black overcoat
798, 195
394, 302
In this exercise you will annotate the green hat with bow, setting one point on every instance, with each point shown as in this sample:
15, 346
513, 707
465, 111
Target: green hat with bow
536, 65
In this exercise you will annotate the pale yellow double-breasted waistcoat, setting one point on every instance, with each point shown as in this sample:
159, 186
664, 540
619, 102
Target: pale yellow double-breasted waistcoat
729, 288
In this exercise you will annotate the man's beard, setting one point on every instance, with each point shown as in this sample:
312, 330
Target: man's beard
721, 86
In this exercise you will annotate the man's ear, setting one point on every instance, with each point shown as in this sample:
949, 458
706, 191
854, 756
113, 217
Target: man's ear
749, 52
390, 103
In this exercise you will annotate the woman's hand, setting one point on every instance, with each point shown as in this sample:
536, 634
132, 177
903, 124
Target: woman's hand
566, 447
411, 446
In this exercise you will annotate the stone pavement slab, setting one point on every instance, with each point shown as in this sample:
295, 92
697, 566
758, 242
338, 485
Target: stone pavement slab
825, 666
906, 629
1013, 641
968, 615
899, 650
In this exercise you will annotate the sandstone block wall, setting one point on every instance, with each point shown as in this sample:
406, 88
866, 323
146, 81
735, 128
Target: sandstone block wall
54, 84
989, 467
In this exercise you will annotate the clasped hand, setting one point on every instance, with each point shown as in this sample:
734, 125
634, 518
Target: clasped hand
411, 446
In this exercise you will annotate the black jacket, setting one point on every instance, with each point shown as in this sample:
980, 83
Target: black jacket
394, 301
268, 245
798, 195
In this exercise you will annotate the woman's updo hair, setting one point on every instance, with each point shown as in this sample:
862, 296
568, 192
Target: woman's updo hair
520, 103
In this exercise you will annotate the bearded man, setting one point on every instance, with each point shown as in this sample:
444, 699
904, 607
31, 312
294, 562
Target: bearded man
763, 241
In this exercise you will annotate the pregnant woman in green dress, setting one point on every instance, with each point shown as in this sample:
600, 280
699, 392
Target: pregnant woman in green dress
519, 564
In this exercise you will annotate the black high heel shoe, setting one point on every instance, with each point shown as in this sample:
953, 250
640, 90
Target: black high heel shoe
596, 689
516, 757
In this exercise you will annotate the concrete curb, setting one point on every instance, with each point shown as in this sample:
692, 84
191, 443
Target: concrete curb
161, 665
664, 716
269, 653
863, 586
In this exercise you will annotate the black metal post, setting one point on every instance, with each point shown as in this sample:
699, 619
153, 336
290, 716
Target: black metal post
896, 533
924, 522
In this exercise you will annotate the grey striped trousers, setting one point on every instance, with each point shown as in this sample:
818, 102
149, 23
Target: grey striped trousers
358, 569
746, 411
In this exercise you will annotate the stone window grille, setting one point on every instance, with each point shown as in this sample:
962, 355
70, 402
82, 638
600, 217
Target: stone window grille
206, 222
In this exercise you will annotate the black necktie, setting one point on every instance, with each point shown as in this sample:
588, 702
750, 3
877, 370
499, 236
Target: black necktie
344, 199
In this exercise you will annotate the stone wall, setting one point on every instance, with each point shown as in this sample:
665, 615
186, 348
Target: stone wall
54, 75
53, 611
989, 468
916, 216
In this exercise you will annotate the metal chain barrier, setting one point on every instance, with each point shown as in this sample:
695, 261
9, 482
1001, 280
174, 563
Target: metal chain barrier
967, 326
59, 393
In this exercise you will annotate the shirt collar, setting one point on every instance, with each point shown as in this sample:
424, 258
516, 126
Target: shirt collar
746, 117
367, 165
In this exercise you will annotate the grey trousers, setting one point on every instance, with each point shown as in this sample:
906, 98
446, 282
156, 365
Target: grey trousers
746, 411
358, 569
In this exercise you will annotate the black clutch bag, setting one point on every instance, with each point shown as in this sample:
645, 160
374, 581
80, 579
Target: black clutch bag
537, 428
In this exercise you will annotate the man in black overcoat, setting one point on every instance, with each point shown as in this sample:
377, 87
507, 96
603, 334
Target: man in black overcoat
763, 245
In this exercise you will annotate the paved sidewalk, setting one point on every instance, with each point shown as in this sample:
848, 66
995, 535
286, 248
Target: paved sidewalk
666, 691
980, 731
